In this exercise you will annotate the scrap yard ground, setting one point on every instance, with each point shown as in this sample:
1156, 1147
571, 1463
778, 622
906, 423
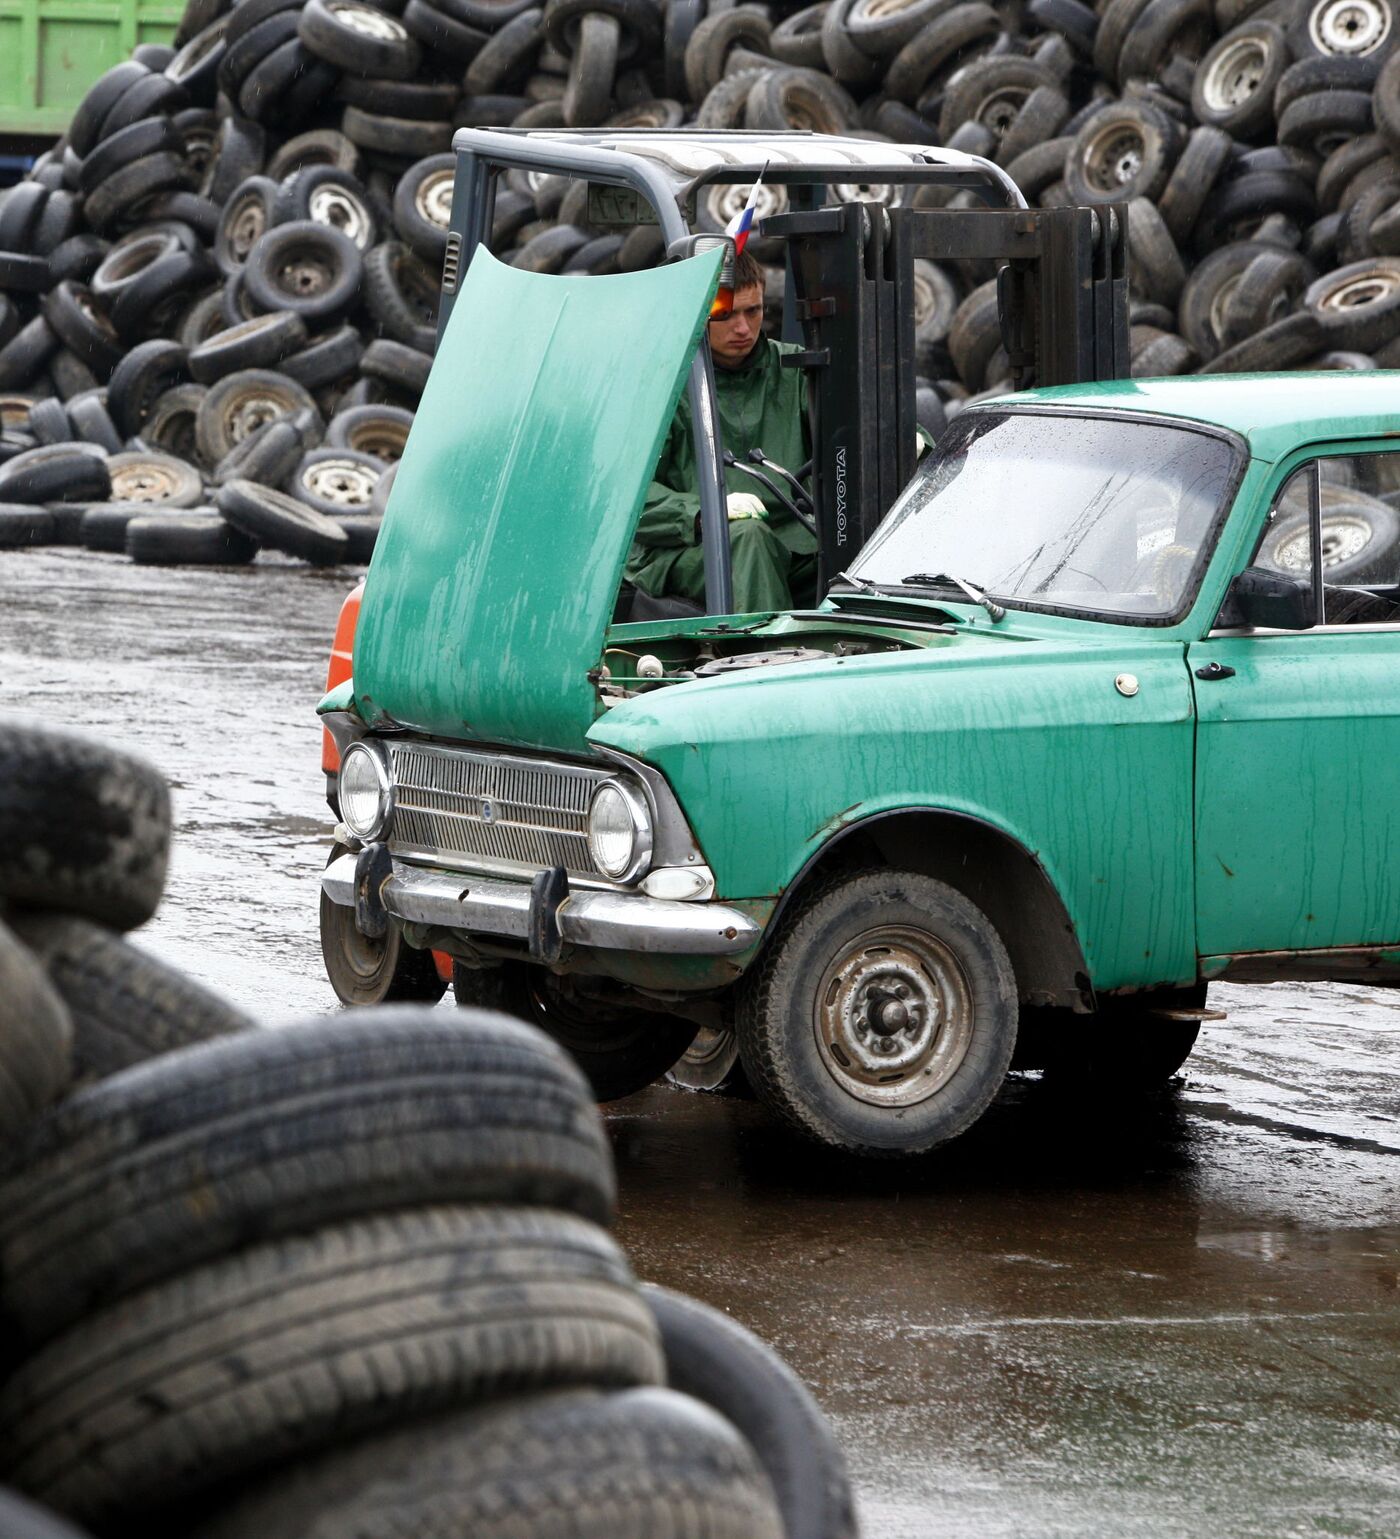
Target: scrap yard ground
1174, 1318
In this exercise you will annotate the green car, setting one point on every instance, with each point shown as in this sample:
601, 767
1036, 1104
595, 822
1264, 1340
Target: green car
1101, 714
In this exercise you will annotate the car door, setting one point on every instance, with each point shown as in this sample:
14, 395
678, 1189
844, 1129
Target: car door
1298, 732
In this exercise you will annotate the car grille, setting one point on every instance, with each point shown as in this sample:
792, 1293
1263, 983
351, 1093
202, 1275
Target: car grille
460, 807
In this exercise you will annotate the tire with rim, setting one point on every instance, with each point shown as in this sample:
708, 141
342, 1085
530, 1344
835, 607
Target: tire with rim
242, 402
1360, 535
246, 216
309, 268
146, 373
82, 828
243, 1139
401, 293
580, 1463
260, 343
161, 480
351, 1328
1235, 82
423, 205
717, 1361
710, 1063
367, 971
1359, 304
1125, 150
329, 196
882, 1017
36, 1038
283, 523
336, 482
126, 1005
359, 39
63, 472
620, 1051
378, 430
1342, 29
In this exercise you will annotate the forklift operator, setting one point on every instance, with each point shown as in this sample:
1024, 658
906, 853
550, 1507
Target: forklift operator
761, 405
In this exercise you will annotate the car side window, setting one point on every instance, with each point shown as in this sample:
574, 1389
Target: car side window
1357, 534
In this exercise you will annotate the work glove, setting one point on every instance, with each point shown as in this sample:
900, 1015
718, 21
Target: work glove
745, 505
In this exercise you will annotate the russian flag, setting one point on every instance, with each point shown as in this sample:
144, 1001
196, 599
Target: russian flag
737, 230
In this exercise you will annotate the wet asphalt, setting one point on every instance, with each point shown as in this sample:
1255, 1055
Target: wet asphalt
1176, 1317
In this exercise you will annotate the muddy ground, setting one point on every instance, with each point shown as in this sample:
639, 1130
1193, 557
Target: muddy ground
1174, 1318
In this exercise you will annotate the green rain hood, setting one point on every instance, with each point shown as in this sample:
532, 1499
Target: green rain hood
498, 563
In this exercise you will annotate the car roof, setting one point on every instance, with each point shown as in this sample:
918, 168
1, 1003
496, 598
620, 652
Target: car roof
1275, 413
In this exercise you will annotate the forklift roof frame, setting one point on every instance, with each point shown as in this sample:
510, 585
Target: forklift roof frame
644, 160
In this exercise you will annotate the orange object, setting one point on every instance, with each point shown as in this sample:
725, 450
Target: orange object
342, 650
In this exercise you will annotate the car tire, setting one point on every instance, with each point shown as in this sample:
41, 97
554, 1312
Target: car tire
63, 472
423, 206
367, 971
187, 539
359, 39
105, 524
402, 293
26, 353
263, 342
1360, 538
157, 480
170, 427
433, 1309
280, 522
1125, 150
242, 402
243, 1139
245, 219
126, 1006
329, 196
326, 358
619, 1051
1359, 305
1236, 80
842, 1091
1206, 154
147, 372
308, 268
336, 482
80, 321
83, 829
399, 367
579, 1463
22, 527
718, 1362
1284, 345
36, 1039
378, 430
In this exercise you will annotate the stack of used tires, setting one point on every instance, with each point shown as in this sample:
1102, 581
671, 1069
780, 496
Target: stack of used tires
228, 268
347, 1278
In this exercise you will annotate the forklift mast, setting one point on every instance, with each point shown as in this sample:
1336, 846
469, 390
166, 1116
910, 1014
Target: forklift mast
1061, 286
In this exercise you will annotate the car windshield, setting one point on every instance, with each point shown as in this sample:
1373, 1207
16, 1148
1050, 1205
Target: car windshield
1043, 509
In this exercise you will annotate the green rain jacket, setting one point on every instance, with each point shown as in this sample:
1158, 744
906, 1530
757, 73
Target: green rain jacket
761, 405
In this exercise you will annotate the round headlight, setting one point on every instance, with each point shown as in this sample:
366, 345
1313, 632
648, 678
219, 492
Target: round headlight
619, 831
364, 792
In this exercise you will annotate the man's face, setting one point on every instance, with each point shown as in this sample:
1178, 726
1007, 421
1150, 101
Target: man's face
732, 336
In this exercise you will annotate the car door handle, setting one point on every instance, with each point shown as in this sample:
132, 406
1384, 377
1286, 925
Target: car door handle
1212, 671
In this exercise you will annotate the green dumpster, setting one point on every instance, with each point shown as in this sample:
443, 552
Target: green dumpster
52, 50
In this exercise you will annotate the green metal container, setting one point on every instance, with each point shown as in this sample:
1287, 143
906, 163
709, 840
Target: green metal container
51, 51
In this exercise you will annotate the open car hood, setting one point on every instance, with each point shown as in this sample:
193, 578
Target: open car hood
498, 564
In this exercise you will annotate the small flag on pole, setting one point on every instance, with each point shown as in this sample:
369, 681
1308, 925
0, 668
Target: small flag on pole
737, 230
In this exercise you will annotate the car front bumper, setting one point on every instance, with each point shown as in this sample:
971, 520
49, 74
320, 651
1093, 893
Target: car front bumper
604, 921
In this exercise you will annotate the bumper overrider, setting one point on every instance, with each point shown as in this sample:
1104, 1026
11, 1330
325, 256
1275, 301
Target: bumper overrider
599, 859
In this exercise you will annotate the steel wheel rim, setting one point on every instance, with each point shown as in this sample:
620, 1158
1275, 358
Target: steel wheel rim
893, 1018
250, 412
1114, 159
1349, 28
1234, 75
368, 23
1364, 289
304, 275
384, 441
144, 483
334, 206
433, 199
345, 483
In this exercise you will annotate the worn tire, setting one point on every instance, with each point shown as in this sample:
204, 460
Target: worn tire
338, 483
309, 268
573, 1464
780, 1033
160, 480
83, 829
294, 1344
157, 1170
283, 523
126, 1006
260, 343
401, 293
36, 1038
378, 430
366, 971
717, 1361
242, 402
188, 539
146, 373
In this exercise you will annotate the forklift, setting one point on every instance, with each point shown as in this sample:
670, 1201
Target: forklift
852, 229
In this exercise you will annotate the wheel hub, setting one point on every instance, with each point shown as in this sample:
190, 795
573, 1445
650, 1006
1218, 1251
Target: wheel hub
894, 1017
1116, 160
303, 276
143, 483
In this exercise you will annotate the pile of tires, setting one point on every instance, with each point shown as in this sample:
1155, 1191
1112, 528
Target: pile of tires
228, 268
351, 1277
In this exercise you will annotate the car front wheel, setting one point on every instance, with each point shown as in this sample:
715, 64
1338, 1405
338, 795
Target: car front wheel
882, 1017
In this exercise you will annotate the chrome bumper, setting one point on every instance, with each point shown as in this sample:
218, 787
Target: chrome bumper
607, 920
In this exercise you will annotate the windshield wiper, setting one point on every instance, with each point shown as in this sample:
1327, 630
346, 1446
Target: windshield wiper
947, 580
857, 582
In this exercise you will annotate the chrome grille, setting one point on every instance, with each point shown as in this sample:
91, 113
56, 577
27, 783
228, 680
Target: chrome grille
462, 807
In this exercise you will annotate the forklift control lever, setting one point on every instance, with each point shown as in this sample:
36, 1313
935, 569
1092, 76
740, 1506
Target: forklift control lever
752, 470
758, 457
